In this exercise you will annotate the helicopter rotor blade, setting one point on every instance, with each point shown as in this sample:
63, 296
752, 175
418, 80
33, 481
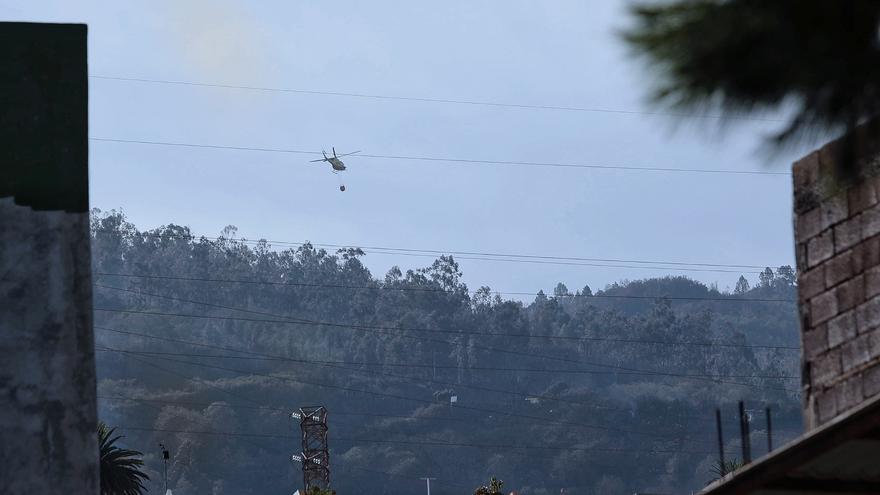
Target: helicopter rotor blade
346, 154
314, 161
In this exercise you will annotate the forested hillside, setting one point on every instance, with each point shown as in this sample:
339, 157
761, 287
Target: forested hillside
207, 345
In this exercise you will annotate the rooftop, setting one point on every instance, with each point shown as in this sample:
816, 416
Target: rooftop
841, 456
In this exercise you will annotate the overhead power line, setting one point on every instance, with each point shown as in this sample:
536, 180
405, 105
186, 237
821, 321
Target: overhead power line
444, 342
336, 366
287, 410
432, 366
490, 412
242, 439
225, 405
421, 381
436, 159
417, 380
381, 394
333, 365
258, 407
732, 299
386, 331
435, 252
130, 355
505, 257
431, 100
357, 326
149, 404
387, 395
283, 452
424, 443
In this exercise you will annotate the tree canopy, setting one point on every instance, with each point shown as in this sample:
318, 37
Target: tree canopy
819, 58
207, 344
493, 488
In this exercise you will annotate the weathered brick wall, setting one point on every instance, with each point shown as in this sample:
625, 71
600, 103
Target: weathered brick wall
837, 232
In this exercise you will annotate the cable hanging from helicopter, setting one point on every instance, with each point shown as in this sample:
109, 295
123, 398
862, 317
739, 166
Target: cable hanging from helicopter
335, 163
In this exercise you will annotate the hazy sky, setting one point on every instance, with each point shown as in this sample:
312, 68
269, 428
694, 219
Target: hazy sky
531, 52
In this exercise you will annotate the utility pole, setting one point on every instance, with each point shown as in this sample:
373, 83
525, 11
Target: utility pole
722, 467
744, 434
428, 481
165, 457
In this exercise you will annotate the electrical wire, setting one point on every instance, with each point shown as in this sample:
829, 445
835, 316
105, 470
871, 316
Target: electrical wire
254, 355
433, 159
159, 410
243, 439
131, 356
286, 410
240, 372
421, 443
733, 299
462, 255
452, 331
552, 399
417, 365
428, 100
433, 252
330, 364
417, 380
426, 339
387, 395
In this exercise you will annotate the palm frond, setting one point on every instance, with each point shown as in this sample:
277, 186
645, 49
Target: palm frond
121, 472
729, 466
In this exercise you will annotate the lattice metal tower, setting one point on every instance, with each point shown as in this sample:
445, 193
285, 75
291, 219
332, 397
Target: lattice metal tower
315, 456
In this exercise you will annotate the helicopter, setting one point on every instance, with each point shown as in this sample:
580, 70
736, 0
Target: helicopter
335, 162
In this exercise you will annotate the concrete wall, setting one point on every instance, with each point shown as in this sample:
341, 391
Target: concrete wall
48, 439
47, 370
837, 232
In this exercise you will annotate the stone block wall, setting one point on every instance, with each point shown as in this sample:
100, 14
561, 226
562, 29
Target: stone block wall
837, 242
